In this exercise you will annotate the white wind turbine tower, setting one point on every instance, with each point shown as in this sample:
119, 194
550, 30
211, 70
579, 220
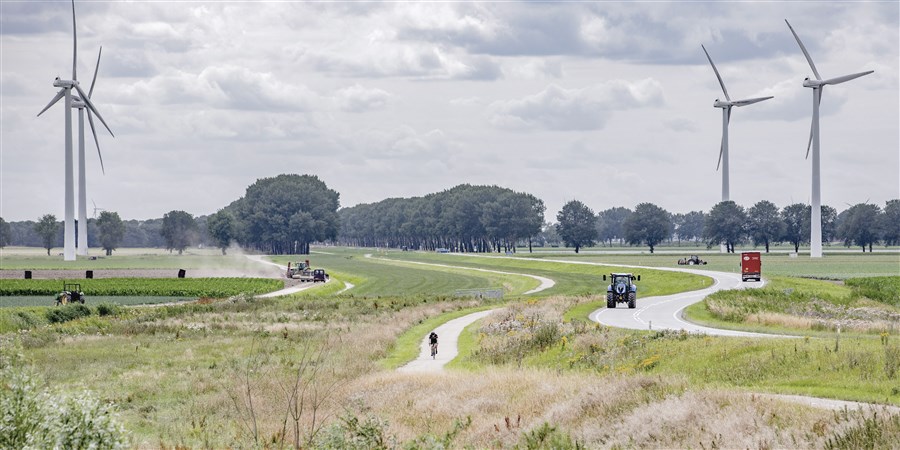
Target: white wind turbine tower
726, 118
66, 92
817, 85
80, 105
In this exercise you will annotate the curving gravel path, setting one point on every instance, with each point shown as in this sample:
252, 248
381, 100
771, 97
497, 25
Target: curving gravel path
448, 337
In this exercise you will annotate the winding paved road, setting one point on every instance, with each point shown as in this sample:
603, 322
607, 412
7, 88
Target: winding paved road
665, 312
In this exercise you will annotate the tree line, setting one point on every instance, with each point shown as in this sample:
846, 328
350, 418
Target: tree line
465, 218
277, 215
728, 224
286, 213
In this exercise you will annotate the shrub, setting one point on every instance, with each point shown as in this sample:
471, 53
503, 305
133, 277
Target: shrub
549, 437
108, 309
33, 417
891, 361
877, 431
67, 313
26, 319
352, 433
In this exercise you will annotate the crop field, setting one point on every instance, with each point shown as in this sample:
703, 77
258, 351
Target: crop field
152, 287
19, 258
229, 373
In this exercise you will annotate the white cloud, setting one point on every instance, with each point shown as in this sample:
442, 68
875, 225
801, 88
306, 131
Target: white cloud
556, 108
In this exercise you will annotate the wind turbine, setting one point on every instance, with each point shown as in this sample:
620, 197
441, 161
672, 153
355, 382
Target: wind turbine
80, 105
726, 118
65, 91
817, 85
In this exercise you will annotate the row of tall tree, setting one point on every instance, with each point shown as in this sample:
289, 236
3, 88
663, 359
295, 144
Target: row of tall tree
277, 215
465, 218
284, 214
727, 223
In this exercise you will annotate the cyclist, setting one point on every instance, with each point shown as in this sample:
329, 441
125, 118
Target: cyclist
433, 341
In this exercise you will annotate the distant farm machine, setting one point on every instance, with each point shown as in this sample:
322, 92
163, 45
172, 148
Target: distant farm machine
302, 271
71, 293
694, 260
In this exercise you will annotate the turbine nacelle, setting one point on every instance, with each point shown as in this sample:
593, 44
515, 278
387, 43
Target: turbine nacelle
67, 84
720, 104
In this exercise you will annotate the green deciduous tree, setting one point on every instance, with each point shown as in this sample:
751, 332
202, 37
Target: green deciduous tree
691, 226
111, 230
576, 225
860, 225
890, 223
284, 214
5, 233
178, 229
611, 222
764, 223
649, 225
221, 228
47, 228
796, 224
725, 224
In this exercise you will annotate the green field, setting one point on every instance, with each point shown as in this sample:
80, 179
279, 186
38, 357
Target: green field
833, 267
28, 258
153, 287
182, 374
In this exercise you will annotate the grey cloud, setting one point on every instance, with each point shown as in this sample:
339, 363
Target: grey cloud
126, 63
561, 109
357, 98
681, 124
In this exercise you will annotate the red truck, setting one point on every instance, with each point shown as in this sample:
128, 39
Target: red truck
751, 266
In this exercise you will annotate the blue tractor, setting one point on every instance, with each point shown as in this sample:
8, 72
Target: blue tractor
621, 289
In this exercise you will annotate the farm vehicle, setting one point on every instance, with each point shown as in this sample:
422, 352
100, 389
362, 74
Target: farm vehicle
302, 271
694, 260
621, 289
71, 293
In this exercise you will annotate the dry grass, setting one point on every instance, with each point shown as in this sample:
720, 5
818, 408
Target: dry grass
601, 412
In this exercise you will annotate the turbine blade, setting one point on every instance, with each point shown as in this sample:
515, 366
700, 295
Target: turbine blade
721, 83
74, 43
90, 105
812, 125
96, 69
751, 101
96, 141
725, 121
721, 152
839, 80
805, 53
59, 95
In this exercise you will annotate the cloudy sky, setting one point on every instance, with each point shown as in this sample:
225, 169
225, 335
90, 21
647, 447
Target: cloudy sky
609, 103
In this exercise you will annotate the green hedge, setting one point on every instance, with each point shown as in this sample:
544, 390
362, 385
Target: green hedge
156, 287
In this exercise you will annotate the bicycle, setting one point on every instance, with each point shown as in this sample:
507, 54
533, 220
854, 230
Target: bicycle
433, 350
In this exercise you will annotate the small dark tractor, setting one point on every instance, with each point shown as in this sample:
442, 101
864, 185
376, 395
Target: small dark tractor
694, 260
319, 275
71, 293
621, 289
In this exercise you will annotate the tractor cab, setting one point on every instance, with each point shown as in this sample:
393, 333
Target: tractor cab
621, 289
71, 293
